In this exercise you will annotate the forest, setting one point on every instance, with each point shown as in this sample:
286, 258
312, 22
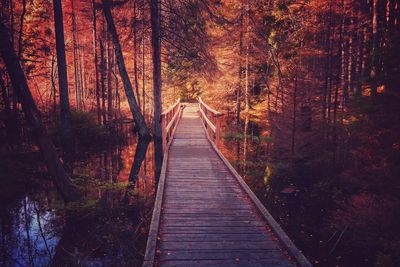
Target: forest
309, 96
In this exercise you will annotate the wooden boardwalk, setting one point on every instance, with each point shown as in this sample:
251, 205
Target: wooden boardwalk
204, 215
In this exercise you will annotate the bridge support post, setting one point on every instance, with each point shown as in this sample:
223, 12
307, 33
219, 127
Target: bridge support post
164, 133
217, 130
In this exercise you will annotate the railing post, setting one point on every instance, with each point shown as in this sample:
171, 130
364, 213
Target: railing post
217, 130
164, 133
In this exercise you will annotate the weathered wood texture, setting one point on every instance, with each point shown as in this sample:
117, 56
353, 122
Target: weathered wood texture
207, 219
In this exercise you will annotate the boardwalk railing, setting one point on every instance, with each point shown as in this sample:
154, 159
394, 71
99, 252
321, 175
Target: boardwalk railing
169, 121
211, 120
181, 184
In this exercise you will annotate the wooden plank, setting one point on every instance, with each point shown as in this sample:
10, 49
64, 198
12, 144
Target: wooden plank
214, 237
211, 254
205, 223
213, 229
219, 245
226, 263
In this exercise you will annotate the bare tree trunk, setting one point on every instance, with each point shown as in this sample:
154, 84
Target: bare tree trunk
246, 86
21, 29
360, 63
156, 46
53, 75
65, 113
327, 74
245, 145
6, 99
338, 80
117, 106
12, 31
103, 75
350, 69
95, 62
33, 117
143, 70
374, 53
344, 74
239, 86
330, 83
246, 92
294, 115
109, 87
76, 59
135, 52
82, 77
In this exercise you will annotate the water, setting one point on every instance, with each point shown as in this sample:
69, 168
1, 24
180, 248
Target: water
108, 228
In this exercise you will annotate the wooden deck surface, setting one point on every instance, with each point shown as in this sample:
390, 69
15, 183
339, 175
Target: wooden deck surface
206, 218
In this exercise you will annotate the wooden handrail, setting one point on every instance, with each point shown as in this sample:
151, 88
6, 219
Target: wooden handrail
217, 113
168, 110
169, 121
211, 120
210, 124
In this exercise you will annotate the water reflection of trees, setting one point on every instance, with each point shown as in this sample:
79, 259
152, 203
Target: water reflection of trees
38, 229
27, 239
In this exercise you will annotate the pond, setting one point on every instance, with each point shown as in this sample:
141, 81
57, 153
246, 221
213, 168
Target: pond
108, 228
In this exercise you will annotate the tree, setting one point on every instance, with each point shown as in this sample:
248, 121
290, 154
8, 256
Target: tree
32, 114
135, 109
156, 48
65, 113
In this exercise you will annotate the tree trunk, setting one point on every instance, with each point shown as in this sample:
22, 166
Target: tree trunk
76, 57
294, 115
109, 86
137, 115
103, 76
247, 92
350, 69
374, 49
360, 51
246, 82
53, 75
245, 145
343, 55
143, 71
33, 117
328, 75
21, 29
156, 47
95, 62
239, 86
82, 77
135, 58
65, 113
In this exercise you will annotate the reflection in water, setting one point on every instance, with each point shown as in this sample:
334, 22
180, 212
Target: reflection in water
38, 229
26, 233
140, 155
